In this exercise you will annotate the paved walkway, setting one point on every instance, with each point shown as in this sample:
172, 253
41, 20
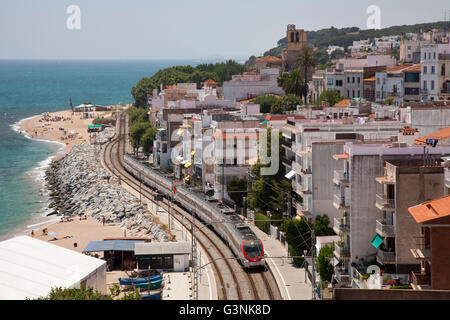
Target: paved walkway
291, 280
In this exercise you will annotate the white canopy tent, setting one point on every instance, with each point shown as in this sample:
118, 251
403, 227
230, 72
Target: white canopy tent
30, 268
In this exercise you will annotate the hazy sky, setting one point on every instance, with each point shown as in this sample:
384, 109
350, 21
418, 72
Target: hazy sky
176, 29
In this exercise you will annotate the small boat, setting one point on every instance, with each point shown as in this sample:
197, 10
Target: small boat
131, 281
152, 286
152, 296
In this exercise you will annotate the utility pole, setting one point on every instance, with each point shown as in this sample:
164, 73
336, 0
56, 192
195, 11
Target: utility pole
289, 205
313, 262
194, 259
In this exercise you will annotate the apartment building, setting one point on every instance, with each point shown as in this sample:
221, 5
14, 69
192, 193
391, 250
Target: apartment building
252, 84
370, 212
299, 155
335, 79
433, 249
317, 86
235, 151
431, 69
411, 84
444, 76
389, 84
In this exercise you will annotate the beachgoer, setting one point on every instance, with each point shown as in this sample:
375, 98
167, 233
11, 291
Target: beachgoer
104, 220
32, 233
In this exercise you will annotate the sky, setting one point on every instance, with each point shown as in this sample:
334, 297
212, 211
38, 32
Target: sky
183, 29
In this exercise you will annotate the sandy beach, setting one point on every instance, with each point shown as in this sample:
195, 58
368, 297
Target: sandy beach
62, 126
69, 128
78, 231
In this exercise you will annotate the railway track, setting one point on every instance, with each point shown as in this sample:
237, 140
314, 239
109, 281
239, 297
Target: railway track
233, 283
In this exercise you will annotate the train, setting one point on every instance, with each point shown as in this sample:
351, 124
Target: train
238, 236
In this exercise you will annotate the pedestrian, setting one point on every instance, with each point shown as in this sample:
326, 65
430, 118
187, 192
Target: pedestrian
104, 221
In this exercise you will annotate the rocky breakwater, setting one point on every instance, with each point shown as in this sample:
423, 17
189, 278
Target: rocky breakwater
79, 185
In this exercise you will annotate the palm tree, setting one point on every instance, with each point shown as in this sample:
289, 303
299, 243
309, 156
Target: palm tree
292, 83
306, 61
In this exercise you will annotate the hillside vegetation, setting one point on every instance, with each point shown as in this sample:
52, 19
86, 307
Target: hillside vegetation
344, 37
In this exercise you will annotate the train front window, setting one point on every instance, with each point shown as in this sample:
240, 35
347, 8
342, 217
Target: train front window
253, 249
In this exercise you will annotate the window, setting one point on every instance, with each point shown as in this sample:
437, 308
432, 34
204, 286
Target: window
432, 85
359, 95
434, 55
353, 79
424, 70
412, 91
412, 77
353, 94
359, 80
424, 84
433, 70
378, 95
348, 79
292, 37
348, 93
378, 80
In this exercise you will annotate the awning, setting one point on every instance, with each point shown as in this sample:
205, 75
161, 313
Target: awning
187, 165
377, 241
290, 175
111, 245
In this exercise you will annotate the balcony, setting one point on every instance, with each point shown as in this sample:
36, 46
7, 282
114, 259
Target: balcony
341, 253
287, 162
385, 257
296, 167
342, 276
384, 229
341, 226
286, 143
341, 178
341, 202
421, 281
385, 204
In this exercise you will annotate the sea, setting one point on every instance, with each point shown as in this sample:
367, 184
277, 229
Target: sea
29, 88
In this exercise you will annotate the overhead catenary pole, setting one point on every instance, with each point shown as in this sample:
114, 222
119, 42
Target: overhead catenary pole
313, 262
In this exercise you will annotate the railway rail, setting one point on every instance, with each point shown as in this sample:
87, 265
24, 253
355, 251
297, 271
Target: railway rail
233, 282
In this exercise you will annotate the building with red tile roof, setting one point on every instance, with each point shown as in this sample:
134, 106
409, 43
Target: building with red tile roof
442, 135
434, 249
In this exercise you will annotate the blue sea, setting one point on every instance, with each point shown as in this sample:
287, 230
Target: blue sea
29, 88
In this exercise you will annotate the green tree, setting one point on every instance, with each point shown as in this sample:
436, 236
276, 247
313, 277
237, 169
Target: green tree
324, 266
390, 101
285, 103
322, 226
147, 139
233, 188
306, 62
292, 83
137, 115
331, 96
137, 131
262, 222
265, 102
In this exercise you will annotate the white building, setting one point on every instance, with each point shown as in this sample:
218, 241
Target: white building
251, 84
430, 70
389, 83
30, 268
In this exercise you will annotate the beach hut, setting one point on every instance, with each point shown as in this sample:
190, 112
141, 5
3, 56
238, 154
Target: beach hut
30, 268
119, 253
163, 256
